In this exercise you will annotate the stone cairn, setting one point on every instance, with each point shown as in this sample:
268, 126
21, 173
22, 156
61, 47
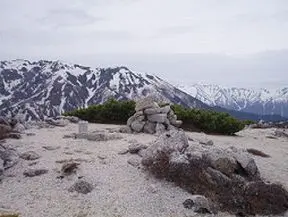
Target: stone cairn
151, 118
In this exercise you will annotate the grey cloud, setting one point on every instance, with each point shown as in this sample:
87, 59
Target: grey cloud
177, 30
68, 17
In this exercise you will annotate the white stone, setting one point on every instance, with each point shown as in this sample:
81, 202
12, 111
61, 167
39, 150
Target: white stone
83, 127
157, 118
137, 126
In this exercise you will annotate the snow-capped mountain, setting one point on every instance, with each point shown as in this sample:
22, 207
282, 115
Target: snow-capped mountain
48, 88
261, 102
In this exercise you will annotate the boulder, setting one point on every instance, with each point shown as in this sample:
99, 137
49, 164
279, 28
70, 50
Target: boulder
222, 175
145, 103
163, 147
165, 110
157, 118
160, 128
152, 111
140, 118
149, 127
130, 121
221, 161
137, 126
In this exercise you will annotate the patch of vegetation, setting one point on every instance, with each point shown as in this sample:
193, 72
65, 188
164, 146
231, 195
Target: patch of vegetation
118, 112
111, 112
208, 121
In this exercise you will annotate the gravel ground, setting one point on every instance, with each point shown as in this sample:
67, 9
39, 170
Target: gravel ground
120, 189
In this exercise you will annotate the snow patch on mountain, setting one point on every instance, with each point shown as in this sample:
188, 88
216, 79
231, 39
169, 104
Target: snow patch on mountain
257, 101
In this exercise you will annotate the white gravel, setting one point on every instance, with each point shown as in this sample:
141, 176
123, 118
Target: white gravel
119, 188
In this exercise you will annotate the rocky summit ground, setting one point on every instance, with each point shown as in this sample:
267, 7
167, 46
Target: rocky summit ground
58, 175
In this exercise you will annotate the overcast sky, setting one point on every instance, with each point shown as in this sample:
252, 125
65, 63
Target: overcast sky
231, 42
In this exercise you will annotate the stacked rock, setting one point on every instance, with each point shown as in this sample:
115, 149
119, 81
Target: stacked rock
151, 118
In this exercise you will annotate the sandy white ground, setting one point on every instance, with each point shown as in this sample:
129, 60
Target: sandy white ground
120, 189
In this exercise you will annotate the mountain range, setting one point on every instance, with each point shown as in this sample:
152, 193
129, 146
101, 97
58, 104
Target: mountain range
261, 102
48, 88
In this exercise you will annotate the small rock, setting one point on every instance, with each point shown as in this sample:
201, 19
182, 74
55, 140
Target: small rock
124, 151
135, 162
69, 168
82, 187
81, 214
102, 157
30, 155
32, 164
152, 189
14, 135
281, 133
69, 136
51, 148
9, 156
30, 134
202, 205
73, 119
208, 143
135, 148
188, 204
35, 172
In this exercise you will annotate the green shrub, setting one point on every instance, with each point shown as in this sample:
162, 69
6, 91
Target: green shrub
208, 121
118, 112
111, 112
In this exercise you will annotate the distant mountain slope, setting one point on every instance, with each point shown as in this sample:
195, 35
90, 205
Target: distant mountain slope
48, 88
261, 102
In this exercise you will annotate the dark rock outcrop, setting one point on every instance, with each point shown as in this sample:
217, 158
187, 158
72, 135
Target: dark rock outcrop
228, 177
